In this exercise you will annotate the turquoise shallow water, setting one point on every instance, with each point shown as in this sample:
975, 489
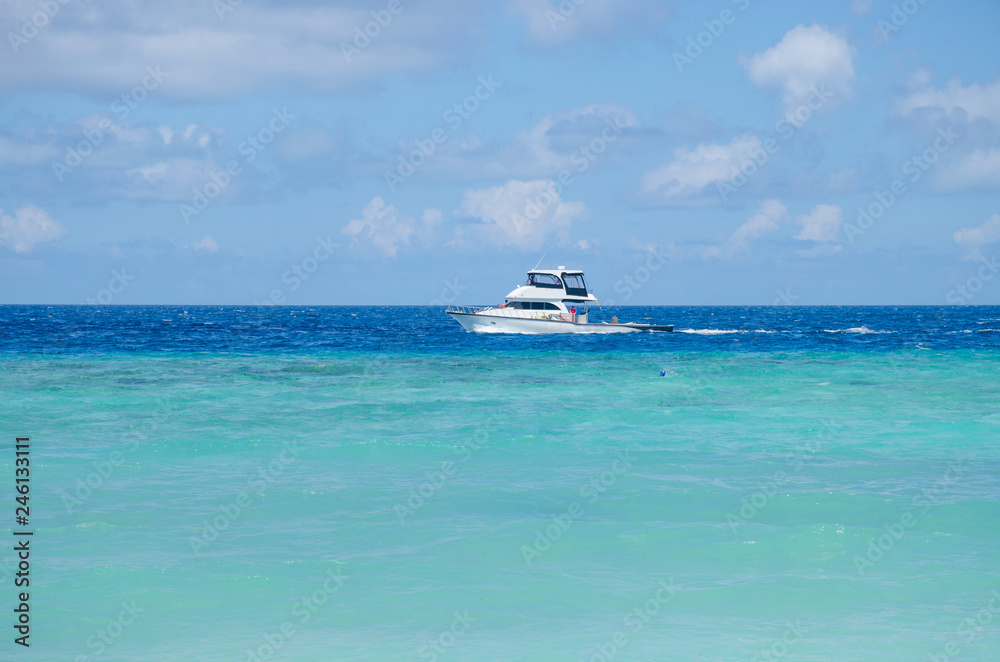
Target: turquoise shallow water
464, 498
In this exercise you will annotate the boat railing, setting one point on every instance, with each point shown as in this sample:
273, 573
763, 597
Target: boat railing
516, 313
468, 310
492, 310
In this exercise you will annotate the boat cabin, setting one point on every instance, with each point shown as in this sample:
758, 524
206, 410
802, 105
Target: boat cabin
552, 286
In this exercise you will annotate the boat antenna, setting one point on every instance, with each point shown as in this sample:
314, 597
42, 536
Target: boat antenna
539, 261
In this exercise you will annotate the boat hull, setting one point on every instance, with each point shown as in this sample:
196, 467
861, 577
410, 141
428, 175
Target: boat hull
480, 323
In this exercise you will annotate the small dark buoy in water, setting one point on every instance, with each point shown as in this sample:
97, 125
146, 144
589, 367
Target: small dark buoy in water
663, 373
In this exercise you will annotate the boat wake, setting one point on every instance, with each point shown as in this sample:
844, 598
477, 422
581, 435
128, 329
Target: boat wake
721, 332
710, 332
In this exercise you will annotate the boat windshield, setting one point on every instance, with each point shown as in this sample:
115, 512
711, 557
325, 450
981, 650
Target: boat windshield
544, 280
575, 285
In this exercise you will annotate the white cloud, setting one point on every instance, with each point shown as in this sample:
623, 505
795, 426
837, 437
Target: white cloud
520, 214
919, 77
95, 158
171, 179
975, 164
555, 23
21, 153
661, 251
764, 222
575, 140
207, 244
101, 49
972, 240
978, 101
28, 227
307, 143
432, 217
578, 128
692, 170
821, 224
979, 168
383, 225
841, 180
805, 58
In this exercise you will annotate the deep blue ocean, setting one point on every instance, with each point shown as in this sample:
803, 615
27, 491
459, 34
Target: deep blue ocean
373, 483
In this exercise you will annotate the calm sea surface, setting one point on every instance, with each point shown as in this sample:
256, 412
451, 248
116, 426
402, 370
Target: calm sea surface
336, 483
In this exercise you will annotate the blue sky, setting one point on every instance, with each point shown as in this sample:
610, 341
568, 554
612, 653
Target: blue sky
431, 151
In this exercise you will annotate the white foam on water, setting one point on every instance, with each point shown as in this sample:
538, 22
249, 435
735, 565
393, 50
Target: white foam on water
709, 332
856, 329
719, 332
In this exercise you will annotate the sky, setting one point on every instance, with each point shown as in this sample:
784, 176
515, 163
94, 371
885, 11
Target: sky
428, 152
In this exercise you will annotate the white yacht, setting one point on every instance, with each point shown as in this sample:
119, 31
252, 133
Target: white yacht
550, 301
